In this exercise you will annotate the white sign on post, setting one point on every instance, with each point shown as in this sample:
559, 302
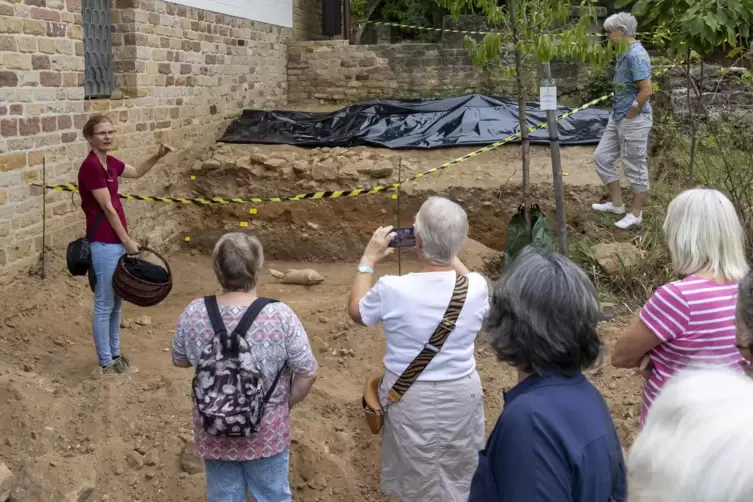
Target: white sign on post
548, 95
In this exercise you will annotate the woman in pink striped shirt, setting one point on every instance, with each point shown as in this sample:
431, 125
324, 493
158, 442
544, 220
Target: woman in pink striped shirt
690, 323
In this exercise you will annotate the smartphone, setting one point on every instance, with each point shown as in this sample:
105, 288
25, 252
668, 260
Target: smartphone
404, 238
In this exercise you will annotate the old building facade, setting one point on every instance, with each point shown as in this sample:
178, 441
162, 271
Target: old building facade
163, 71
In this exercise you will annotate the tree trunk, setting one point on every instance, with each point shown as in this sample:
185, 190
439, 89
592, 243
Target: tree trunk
525, 145
346, 20
559, 185
693, 128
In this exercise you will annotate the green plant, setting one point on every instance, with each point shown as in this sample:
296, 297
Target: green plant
598, 84
633, 283
414, 12
697, 25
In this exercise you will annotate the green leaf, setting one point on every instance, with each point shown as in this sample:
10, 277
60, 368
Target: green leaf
735, 52
696, 26
640, 7
711, 22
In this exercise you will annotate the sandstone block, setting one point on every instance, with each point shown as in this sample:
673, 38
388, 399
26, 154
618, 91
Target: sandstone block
135, 460
211, 165
12, 161
382, 169
50, 477
189, 461
325, 170
7, 482
616, 257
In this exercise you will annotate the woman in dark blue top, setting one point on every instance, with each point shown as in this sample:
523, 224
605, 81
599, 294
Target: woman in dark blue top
555, 440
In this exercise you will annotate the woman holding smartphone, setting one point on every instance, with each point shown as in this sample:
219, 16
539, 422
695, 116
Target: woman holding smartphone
442, 411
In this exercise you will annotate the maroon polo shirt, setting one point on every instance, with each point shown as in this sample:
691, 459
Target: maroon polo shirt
92, 176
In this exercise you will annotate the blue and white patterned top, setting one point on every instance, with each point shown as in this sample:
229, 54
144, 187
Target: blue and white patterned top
633, 65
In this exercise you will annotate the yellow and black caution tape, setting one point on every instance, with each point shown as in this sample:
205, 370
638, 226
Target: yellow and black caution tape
466, 32
335, 194
331, 194
429, 28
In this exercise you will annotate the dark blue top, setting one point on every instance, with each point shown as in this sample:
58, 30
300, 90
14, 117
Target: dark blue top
554, 442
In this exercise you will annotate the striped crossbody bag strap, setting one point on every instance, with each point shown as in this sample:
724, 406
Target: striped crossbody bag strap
435, 343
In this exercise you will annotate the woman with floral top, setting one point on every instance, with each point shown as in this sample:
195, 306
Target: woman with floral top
278, 341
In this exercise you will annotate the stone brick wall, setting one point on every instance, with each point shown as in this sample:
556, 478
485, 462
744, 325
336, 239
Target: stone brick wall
307, 20
180, 75
333, 71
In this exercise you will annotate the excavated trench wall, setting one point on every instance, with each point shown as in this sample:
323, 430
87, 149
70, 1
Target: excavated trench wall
337, 229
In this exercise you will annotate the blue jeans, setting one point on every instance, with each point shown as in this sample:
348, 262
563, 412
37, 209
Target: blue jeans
107, 305
266, 478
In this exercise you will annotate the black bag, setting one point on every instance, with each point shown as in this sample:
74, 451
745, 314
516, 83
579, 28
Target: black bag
541, 234
146, 271
228, 390
78, 255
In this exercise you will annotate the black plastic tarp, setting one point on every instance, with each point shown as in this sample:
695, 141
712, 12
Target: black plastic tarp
411, 123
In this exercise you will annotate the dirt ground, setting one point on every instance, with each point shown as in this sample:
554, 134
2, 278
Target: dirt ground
52, 411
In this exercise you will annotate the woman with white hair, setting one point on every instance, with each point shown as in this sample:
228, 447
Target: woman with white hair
433, 417
690, 323
696, 441
626, 135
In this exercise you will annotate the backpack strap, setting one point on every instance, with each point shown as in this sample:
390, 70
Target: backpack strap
215, 316
271, 390
435, 343
250, 315
95, 224
242, 328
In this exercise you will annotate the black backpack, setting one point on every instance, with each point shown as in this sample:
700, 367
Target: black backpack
78, 254
228, 389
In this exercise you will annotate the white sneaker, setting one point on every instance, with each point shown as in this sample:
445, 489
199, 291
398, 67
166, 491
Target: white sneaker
629, 220
608, 207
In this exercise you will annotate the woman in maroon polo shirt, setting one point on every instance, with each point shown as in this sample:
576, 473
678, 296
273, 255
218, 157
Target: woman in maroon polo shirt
107, 232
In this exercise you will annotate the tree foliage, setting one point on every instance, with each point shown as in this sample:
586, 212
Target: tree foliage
702, 26
549, 30
412, 12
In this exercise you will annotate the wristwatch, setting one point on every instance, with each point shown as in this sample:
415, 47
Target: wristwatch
635, 105
365, 269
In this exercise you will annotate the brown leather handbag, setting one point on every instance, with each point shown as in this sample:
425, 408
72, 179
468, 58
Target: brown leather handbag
373, 410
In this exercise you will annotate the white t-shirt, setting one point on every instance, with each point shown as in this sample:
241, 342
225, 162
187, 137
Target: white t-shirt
410, 308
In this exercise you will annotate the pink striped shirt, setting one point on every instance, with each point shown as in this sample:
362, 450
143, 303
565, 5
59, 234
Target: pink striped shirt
695, 320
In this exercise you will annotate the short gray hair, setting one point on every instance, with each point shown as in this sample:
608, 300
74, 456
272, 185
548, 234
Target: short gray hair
544, 314
443, 228
622, 21
698, 429
703, 233
237, 260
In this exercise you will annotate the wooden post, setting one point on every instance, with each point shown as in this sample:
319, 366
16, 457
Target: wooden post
525, 144
44, 215
559, 185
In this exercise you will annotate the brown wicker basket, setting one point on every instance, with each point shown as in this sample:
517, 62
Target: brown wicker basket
138, 291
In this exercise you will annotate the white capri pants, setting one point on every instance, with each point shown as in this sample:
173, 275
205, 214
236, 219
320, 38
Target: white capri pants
626, 139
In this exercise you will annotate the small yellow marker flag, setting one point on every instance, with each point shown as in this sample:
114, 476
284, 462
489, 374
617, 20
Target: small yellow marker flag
244, 223
187, 239
193, 178
252, 210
